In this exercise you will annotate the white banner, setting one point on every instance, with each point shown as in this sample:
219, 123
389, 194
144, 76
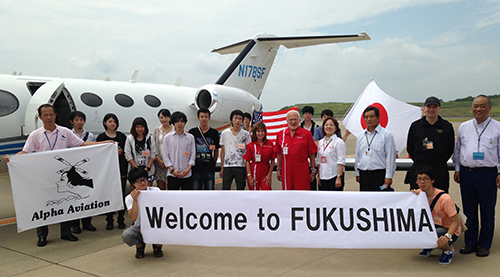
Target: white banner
287, 219
396, 116
61, 185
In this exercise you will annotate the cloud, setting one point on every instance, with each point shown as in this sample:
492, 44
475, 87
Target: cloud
170, 39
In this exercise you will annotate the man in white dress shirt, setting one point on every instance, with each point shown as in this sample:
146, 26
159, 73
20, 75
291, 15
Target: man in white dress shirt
476, 159
375, 162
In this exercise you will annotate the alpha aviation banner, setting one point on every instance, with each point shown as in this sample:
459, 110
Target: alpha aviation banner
287, 219
61, 185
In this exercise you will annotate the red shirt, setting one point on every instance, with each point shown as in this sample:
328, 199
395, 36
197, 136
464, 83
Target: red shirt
295, 162
266, 153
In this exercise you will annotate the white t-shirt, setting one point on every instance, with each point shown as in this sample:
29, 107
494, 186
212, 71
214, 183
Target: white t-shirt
234, 147
129, 202
330, 155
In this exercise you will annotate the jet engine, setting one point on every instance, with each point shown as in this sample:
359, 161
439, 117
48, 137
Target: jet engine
222, 100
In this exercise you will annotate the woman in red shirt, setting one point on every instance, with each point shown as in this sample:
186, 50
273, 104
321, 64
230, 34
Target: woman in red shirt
259, 159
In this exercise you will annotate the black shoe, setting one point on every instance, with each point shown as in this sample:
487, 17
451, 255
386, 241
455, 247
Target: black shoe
42, 241
121, 225
69, 237
483, 252
89, 227
110, 226
76, 230
468, 249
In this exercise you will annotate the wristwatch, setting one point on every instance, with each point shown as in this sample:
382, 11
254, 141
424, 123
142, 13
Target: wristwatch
448, 236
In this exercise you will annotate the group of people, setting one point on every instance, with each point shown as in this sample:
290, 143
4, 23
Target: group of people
431, 143
309, 157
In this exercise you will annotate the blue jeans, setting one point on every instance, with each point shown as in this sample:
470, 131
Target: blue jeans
203, 180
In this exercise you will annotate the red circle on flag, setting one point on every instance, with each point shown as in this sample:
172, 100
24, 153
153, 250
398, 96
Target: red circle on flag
383, 119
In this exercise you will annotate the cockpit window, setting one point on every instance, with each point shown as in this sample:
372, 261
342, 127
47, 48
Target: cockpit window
34, 86
91, 99
124, 100
152, 101
8, 103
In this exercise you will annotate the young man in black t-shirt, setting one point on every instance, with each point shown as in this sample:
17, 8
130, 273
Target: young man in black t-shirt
207, 152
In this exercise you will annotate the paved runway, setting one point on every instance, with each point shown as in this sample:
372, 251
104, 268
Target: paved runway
102, 253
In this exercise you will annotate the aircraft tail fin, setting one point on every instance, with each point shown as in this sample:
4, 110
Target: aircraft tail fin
250, 69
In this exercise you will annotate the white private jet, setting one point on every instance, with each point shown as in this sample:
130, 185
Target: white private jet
239, 87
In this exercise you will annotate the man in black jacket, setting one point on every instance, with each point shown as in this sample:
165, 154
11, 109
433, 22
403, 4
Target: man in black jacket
431, 142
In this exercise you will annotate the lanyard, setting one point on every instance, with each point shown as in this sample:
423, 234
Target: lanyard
55, 141
480, 134
326, 146
370, 142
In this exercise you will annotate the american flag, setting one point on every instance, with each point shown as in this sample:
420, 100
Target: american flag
257, 117
275, 122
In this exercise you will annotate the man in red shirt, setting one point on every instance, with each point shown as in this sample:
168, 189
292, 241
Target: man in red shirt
294, 146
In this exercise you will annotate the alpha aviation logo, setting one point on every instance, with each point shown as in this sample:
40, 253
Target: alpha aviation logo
73, 182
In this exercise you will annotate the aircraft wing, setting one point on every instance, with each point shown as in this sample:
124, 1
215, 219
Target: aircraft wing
292, 42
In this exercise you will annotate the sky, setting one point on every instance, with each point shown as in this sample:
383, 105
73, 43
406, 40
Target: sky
417, 49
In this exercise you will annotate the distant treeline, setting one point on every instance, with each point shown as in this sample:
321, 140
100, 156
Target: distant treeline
461, 107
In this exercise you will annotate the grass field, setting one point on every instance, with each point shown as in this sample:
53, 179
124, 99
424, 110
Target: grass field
456, 110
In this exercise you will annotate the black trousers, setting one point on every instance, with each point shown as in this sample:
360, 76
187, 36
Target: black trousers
174, 183
85, 222
329, 185
371, 180
121, 213
441, 173
43, 231
236, 173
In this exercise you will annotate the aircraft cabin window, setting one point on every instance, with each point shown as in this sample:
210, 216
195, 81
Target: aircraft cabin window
91, 99
152, 101
124, 100
34, 86
8, 103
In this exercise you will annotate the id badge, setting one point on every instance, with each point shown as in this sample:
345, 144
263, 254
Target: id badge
429, 145
478, 155
145, 153
241, 146
369, 152
186, 153
257, 157
285, 150
438, 220
212, 147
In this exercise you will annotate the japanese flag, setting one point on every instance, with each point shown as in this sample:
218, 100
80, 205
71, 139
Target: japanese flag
395, 116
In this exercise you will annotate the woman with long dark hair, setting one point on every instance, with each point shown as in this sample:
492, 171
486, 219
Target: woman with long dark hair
259, 159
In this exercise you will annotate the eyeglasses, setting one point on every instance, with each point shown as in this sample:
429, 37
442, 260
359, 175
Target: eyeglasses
141, 180
423, 179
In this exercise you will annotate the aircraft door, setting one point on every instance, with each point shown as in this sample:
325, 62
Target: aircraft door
46, 94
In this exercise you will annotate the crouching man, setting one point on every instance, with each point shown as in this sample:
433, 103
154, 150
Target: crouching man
444, 213
138, 179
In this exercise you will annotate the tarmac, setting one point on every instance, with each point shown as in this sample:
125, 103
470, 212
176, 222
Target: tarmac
102, 253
